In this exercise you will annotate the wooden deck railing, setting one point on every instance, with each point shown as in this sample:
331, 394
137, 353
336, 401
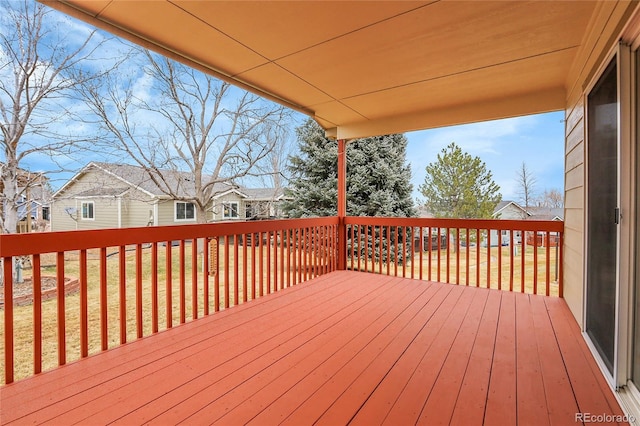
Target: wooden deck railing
514, 255
135, 282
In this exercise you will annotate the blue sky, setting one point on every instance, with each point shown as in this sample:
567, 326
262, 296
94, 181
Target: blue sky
537, 140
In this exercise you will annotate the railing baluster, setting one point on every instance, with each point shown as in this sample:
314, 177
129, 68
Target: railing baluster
560, 265
488, 258
139, 322
216, 277
421, 249
275, 261
205, 273
253, 265
294, 256
226, 272
548, 262
236, 271
535, 262
104, 325
281, 237
245, 274
511, 260
395, 263
261, 265
523, 245
182, 282
499, 259
478, 257
8, 319
404, 251
122, 292
84, 317
379, 230
154, 287
457, 256
468, 252
37, 315
388, 252
268, 262
439, 247
430, 247
62, 344
168, 285
448, 255
194, 278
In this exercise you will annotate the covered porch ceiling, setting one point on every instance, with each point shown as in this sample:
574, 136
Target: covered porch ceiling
363, 68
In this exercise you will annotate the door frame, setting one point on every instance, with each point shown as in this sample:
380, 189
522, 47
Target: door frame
623, 311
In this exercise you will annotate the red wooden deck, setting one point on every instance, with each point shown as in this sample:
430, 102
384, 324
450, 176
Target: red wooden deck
347, 347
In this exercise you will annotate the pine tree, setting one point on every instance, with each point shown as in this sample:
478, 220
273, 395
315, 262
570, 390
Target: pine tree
378, 177
378, 184
458, 185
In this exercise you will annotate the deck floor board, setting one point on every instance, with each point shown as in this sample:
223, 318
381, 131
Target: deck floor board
347, 347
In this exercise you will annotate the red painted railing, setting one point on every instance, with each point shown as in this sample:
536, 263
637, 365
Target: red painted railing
497, 254
138, 281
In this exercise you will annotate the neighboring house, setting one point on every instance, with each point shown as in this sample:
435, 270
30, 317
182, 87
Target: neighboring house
34, 203
510, 210
105, 195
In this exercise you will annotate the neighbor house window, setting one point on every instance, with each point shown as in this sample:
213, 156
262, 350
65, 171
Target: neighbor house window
45, 213
185, 211
230, 210
87, 210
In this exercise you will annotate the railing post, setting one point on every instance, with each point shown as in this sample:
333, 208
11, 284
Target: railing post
342, 204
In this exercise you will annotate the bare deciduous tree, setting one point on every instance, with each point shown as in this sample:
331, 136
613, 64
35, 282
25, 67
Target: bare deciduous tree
187, 130
38, 66
526, 182
552, 198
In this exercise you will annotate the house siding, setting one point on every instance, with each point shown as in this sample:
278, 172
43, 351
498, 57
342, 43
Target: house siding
136, 211
605, 28
166, 213
232, 197
135, 204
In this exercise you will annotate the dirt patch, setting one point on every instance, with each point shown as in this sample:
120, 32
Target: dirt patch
23, 292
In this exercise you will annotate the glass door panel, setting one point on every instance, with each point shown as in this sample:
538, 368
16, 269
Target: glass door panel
602, 202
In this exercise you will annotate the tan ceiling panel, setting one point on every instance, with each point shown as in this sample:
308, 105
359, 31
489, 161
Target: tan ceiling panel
94, 7
282, 83
440, 39
176, 30
279, 28
366, 66
525, 76
336, 112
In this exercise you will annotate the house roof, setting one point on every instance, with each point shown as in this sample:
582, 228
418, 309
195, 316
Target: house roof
181, 183
137, 177
265, 194
546, 213
535, 213
504, 204
364, 68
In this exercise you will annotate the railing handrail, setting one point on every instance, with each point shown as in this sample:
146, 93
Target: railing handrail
49, 242
498, 224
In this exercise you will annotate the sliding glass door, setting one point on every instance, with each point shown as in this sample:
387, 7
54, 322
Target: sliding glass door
602, 214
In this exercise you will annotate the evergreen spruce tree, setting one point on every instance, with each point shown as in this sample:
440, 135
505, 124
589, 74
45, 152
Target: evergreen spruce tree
378, 177
378, 184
